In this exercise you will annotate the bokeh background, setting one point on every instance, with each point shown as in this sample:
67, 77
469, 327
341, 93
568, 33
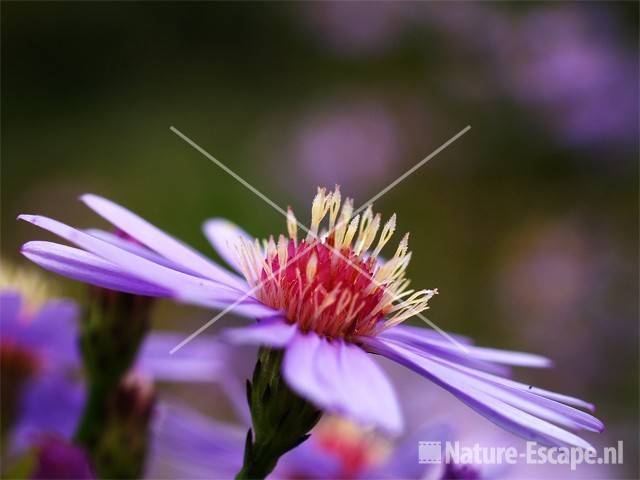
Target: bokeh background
528, 225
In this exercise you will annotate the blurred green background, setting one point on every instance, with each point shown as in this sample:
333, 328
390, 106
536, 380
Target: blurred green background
528, 225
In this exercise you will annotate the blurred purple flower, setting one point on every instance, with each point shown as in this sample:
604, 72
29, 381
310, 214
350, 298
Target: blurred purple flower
352, 145
350, 382
56, 459
44, 337
188, 444
567, 63
570, 67
339, 448
552, 271
561, 276
356, 28
40, 367
38, 351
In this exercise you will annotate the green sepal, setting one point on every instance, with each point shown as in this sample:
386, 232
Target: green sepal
281, 418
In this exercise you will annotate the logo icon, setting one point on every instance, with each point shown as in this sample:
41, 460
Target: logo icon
429, 452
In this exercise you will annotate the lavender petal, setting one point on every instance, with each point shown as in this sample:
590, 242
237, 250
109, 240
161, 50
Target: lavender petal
139, 250
272, 332
341, 378
49, 404
10, 306
159, 241
416, 337
187, 444
201, 360
87, 267
225, 237
539, 406
53, 331
185, 286
505, 415
506, 382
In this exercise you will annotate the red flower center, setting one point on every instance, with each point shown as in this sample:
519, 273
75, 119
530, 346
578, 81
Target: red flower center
334, 284
323, 291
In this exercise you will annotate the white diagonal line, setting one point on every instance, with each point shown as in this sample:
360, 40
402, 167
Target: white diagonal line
412, 170
202, 328
304, 228
228, 170
247, 295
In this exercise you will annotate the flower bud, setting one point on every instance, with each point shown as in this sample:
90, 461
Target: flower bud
122, 448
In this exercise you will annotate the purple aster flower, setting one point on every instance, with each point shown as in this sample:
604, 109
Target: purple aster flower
327, 301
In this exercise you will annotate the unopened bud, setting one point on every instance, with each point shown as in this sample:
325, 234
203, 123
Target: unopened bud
122, 448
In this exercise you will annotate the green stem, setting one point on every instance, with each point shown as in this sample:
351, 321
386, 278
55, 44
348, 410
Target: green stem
281, 419
111, 332
259, 460
93, 417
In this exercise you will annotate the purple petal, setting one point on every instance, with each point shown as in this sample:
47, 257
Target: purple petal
225, 237
401, 462
507, 357
10, 306
299, 369
528, 388
138, 249
418, 338
53, 331
187, 444
507, 416
495, 379
159, 241
443, 348
247, 307
341, 378
367, 382
430, 334
526, 400
273, 332
50, 332
186, 287
86, 267
200, 360
49, 404
308, 461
